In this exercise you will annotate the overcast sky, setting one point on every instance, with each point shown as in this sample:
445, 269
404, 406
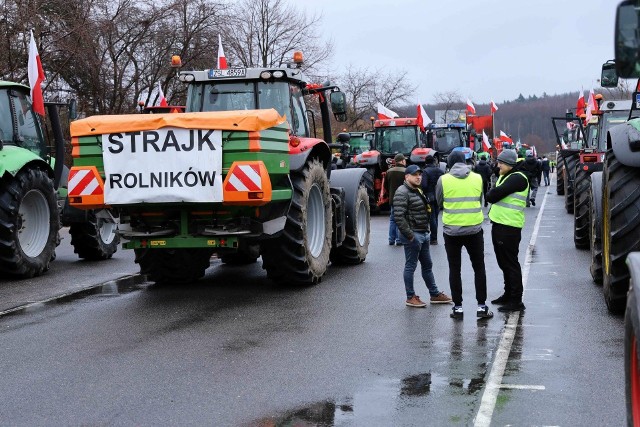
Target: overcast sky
489, 49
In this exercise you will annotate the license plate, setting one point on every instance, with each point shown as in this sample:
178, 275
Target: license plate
229, 72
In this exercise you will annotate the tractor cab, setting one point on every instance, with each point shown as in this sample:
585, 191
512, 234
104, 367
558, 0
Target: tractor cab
282, 89
19, 125
446, 137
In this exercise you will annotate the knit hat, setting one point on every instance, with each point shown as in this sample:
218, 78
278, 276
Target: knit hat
411, 169
455, 157
508, 157
399, 158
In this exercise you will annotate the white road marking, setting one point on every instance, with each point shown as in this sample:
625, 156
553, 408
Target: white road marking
494, 382
523, 387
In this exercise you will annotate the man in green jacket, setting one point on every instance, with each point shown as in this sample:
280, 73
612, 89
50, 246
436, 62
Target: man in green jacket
411, 213
394, 179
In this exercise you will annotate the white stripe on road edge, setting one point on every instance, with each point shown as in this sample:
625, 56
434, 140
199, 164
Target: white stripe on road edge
523, 387
494, 382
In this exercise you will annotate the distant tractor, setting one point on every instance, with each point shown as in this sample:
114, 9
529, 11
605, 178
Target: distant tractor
392, 136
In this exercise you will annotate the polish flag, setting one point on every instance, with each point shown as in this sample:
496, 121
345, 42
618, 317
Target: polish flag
36, 77
385, 113
222, 60
163, 100
505, 137
580, 105
485, 141
494, 107
470, 108
591, 106
423, 119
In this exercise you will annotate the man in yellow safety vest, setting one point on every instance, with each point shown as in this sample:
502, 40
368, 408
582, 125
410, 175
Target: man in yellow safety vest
508, 199
459, 193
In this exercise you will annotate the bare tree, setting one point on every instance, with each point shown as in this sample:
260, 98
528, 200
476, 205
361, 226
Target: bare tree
365, 88
265, 33
447, 101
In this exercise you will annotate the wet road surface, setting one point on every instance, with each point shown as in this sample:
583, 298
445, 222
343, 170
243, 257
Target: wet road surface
234, 349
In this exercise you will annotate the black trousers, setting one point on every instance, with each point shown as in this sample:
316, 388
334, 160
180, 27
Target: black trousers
474, 243
506, 242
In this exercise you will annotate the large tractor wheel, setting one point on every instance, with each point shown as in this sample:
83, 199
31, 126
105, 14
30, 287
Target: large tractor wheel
569, 176
94, 240
595, 220
173, 266
560, 176
581, 226
355, 246
620, 228
300, 255
29, 223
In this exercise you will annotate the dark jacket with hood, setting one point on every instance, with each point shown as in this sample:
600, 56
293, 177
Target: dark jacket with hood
532, 168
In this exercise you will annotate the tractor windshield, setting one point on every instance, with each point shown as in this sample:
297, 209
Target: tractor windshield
397, 139
286, 99
610, 119
29, 135
446, 140
358, 143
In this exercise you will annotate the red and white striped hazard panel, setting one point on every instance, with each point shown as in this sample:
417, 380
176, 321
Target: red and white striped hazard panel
83, 182
244, 178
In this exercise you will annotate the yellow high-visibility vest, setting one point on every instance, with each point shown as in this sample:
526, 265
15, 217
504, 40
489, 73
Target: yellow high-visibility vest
510, 210
462, 200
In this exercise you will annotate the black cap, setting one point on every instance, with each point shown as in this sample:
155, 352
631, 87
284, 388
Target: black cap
411, 169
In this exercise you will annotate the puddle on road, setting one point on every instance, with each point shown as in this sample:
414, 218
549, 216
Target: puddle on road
116, 287
382, 397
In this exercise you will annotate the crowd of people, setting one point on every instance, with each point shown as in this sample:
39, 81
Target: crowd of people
508, 183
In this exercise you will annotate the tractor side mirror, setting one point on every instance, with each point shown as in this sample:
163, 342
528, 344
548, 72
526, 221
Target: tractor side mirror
627, 40
339, 105
609, 76
73, 109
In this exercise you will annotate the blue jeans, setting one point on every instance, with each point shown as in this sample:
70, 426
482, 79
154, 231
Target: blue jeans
414, 251
394, 233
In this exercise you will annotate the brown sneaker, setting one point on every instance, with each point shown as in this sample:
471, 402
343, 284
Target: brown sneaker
415, 301
441, 298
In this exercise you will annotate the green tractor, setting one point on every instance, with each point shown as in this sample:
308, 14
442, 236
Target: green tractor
229, 176
33, 203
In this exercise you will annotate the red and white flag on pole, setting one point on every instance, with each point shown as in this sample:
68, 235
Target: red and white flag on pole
423, 119
163, 100
505, 137
494, 107
591, 106
580, 104
485, 141
222, 60
470, 108
36, 77
385, 113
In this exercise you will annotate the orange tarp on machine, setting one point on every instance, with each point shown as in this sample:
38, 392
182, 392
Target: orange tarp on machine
243, 120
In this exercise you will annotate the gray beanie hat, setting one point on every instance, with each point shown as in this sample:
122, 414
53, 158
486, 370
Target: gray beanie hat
508, 157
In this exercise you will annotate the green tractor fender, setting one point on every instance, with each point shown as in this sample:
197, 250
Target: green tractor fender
13, 159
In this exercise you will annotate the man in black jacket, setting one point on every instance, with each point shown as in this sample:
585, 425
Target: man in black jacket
508, 200
430, 175
483, 169
532, 168
410, 209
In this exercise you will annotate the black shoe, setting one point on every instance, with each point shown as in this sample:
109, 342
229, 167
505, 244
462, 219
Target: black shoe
512, 306
434, 242
484, 312
533, 202
502, 299
457, 312
390, 243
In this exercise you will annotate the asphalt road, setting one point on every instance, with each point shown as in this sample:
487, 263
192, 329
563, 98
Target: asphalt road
234, 349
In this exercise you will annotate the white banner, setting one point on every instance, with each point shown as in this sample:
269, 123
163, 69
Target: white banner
164, 165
